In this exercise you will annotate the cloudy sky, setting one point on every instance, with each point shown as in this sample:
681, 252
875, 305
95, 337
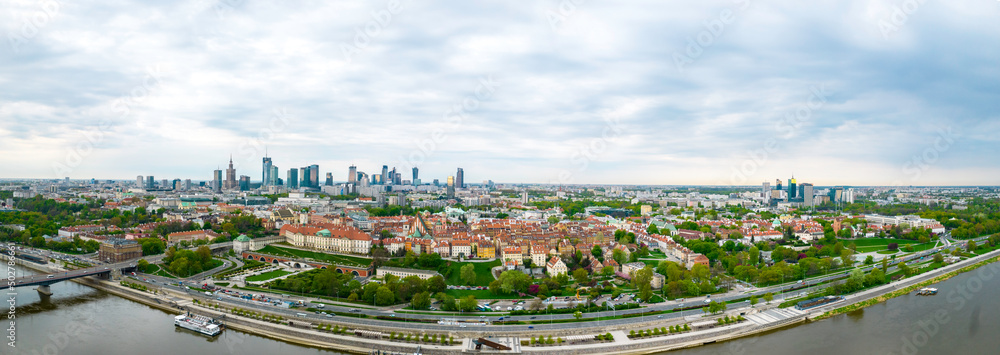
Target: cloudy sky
641, 92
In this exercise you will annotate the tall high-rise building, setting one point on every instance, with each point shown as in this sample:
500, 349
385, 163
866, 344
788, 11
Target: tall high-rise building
244, 183
139, 182
217, 180
231, 183
451, 187
352, 174
329, 179
377, 179
187, 184
177, 185
437, 183
292, 182
766, 192
150, 182
304, 176
807, 194
777, 184
460, 178
416, 178
273, 176
849, 195
385, 174
791, 189
314, 175
398, 179
164, 184
266, 177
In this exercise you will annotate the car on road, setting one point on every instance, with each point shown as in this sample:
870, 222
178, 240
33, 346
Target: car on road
532, 317
49, 277
531, 327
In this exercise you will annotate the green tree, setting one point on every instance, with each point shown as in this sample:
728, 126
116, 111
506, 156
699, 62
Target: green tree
578, 315
580, 275
768, 297
468, 304
142, 264
421, 300
468, 274
753, 300
384, 296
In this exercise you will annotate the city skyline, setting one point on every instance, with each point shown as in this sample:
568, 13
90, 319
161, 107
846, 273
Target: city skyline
601, 94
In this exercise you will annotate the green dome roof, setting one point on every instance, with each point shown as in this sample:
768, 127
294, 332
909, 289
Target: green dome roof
323, 233
243, 238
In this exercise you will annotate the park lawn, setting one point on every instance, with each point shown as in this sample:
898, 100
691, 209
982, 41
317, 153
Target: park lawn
480, 294
330, 258
268, 275
888, 252
483, 274
869, 242
163, 272
153, 269
655, 254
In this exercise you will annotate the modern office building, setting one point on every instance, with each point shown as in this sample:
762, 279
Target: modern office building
150, 182
460, 178
451, 187
314, 175
177, 185
329, 179
792, 190
187, 184
274, 176
807, 194
416, 177
266, 176
244, 183
139, 182
352, 174
292, 182
385, 174
766, 192
217, 180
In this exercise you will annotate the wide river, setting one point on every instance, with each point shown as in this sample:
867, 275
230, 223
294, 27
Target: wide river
964, 318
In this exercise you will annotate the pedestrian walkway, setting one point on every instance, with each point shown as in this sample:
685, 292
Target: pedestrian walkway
620, 336
774, 315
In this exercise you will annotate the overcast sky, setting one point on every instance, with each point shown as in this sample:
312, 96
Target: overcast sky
638, 92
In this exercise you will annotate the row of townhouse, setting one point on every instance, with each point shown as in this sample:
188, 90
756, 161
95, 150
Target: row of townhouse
328, 237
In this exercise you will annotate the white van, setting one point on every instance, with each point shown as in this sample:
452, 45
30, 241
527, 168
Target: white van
303, 315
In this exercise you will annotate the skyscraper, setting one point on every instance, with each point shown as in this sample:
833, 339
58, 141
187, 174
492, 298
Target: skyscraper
314, 175
217, 180
385, 173
460, 178
766, 192
150, 182
266, 177
292, 182
352, 174
304, 176
187, 184
329, 179
139, 181
177, 184
416, 178
244, 183
451, 187
807, 194
777, 183
231, 183
791, 189
273, 176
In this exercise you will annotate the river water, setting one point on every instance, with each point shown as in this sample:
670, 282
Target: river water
964, 318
